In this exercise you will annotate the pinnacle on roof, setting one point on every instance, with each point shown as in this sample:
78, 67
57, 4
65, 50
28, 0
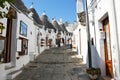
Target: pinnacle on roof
43, 13
60, 20
32, 5
35, 16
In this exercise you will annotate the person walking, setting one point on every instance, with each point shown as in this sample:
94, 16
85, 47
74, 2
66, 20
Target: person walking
70, 43
58, 42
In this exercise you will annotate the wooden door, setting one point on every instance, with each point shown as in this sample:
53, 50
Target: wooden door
50, 42
107, 48
8, 41
47, 43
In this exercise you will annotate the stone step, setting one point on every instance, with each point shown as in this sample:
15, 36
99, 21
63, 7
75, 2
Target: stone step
9, 67
13, 74
107, 78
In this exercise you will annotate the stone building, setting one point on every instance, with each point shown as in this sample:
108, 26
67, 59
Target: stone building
104, 36
25, 36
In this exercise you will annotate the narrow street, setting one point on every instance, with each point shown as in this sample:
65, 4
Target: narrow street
55, 64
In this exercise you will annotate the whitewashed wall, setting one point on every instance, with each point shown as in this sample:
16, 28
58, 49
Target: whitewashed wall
105, 8
114, 41
30, 36
44, 37
99, 41
37, 44
3, 65
53, 37
117, 13
117, 4
75, 40
84, 49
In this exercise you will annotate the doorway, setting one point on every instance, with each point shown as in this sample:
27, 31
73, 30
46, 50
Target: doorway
50, 42
47, 42
107, 47
24, 47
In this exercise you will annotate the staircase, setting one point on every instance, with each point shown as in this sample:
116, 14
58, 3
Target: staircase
12, 72
107, 78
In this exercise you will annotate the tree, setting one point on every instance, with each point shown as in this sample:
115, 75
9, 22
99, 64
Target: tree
3, 14
3, 5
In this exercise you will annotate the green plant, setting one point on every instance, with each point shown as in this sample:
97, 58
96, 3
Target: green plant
93, 71
3, 5
1, 26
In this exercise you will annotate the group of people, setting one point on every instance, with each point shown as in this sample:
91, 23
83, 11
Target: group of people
58, 42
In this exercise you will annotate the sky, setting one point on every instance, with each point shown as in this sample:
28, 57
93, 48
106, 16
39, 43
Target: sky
65, 9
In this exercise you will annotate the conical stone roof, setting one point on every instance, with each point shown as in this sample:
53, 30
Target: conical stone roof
35, 16
20, 5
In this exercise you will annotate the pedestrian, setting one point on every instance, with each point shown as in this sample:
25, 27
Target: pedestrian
58, 42
70, 43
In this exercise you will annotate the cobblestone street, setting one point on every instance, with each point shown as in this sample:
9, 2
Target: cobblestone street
55, 64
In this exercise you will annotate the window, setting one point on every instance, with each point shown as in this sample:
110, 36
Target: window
1, 28
24, 46
23, 28
2, 49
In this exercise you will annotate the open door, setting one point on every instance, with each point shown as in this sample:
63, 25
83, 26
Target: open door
24, 47
107, 48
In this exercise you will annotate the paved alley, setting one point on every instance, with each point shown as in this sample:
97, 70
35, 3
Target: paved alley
55, 64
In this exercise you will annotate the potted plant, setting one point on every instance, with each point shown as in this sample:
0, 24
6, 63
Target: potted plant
93, 73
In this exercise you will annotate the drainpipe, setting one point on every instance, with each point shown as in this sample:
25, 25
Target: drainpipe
116, 36
39, 37
88, 35
93, 13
